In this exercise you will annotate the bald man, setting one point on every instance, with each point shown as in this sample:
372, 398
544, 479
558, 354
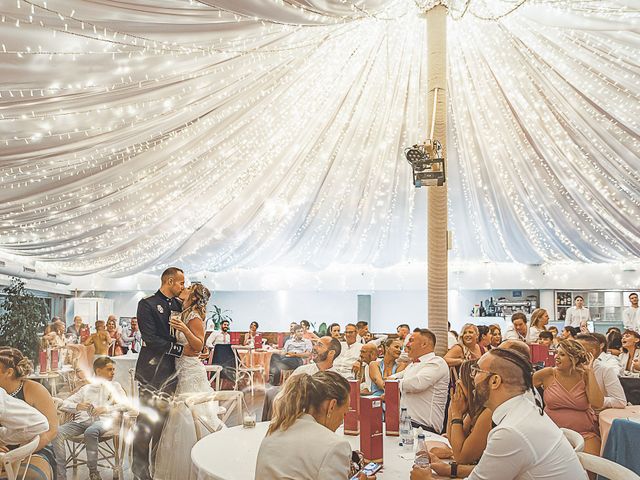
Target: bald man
368, 353
525, 442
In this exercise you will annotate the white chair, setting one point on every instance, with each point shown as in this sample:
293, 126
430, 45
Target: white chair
200, 421
246, 369
10, 461
606, 468
215, 370
575, 439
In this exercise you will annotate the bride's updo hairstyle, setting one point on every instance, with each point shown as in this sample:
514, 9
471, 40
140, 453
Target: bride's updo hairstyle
13, 358
305, 394
200, 296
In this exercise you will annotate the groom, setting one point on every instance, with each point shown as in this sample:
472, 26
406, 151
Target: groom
155, 369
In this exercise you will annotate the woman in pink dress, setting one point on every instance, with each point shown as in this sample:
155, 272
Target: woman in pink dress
571, 393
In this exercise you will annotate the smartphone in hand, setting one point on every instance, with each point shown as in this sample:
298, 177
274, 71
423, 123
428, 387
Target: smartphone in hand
369, 469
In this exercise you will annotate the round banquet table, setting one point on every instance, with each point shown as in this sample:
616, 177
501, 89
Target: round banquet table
124, 363
606, 417
231, 454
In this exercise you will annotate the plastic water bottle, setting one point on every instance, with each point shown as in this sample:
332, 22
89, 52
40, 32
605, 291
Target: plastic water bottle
406, 432
422, 454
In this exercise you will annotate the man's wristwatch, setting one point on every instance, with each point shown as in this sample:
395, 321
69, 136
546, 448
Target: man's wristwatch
454, 470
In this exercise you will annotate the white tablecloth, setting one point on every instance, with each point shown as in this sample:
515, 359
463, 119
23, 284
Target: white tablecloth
123, 364
231, 454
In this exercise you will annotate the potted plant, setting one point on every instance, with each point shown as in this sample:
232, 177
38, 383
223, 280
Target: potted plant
218, 315
23, 318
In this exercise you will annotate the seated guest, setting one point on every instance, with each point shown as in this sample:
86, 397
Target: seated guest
323, 353
310, 409
404, 332
219, 337
469, 423
607, 377
604, 356
368, 353
424, 383
546, 338
115, 349
496, 336
306, 331
381, 370
613, 329
518, 330
78, 330
350, 352
614, 343
362, 328
334, 331
131, 338
539, 321
630, 350
569, 332
572, 393
19, 422
524, 443
94, 405
54, 333
14, 370
467, 347
293, 353
100, 340
484, 337
554, 331
250, 337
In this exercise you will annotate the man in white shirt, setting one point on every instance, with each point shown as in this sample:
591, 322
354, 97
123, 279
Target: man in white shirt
518, 330
404, 332
324, 352
524, 444
631, 315
94, 405
350, 352
19, 421
363, 328
605, 357
218, 337
607, 377
577, 316
131, 337
424, 384
451, 338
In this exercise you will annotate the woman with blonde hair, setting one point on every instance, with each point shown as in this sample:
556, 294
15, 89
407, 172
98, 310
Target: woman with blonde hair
571, 392
310, 409
381, 370
467, 347
14, 370
115, 348
173, 457
539, 321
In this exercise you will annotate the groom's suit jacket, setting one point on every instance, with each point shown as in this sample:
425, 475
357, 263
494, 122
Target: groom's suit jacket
155, 369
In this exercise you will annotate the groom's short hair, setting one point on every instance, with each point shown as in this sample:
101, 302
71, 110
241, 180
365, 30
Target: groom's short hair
170, 272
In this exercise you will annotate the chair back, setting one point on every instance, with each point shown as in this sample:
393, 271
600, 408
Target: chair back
10, 462
606, 468
200, 421
575, 439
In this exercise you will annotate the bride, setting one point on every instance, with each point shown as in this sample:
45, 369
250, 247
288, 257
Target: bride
173, 457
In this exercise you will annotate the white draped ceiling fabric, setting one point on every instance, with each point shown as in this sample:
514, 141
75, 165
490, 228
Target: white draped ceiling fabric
227, 134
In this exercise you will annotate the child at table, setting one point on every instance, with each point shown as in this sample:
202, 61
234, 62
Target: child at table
100, 340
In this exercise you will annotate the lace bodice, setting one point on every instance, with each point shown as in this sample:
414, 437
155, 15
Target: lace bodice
180, 337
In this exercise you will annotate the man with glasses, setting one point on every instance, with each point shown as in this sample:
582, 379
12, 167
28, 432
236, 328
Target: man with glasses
350, 352
524, 443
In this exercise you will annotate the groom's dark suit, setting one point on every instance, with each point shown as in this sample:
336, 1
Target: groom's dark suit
155, 373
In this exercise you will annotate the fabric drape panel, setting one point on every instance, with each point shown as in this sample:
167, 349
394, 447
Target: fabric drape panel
244, 133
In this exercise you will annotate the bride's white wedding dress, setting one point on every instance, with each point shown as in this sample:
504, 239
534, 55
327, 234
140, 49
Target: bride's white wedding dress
173, 457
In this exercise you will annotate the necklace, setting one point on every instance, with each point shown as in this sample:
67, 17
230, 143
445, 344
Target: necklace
17, 390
